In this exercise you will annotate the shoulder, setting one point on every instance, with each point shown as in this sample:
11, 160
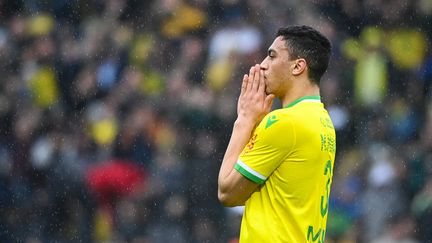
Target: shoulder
275, 129
276, 121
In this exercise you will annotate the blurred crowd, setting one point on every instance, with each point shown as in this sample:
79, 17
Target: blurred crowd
115, 115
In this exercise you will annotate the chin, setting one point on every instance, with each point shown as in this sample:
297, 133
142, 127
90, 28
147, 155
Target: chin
267, 91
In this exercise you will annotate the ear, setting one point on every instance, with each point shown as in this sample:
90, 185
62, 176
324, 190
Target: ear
299, 66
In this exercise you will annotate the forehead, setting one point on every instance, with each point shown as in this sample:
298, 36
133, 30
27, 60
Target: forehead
278, 45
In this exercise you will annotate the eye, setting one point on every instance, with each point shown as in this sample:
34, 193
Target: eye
271, 54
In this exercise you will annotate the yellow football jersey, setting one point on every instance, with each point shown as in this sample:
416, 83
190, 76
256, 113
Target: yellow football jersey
291, 155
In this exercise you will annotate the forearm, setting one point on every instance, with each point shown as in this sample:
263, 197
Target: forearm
240, 136
253, 104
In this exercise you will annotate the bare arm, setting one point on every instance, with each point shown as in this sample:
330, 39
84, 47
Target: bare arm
253, 104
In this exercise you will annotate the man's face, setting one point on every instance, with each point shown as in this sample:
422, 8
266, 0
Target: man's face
277, 68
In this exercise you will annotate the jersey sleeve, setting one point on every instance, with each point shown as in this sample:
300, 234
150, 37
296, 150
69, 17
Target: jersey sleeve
269, 145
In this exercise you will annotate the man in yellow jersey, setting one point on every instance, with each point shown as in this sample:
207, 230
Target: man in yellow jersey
279, 164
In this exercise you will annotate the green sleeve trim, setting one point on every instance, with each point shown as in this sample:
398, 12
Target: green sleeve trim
248, 174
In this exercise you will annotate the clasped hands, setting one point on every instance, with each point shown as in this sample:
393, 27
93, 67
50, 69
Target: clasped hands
253, 103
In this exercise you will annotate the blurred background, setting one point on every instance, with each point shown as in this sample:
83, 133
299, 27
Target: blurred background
115, 115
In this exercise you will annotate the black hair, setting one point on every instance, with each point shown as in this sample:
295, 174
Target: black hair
306, 42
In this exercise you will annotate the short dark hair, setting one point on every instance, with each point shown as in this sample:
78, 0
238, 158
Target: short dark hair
306, 42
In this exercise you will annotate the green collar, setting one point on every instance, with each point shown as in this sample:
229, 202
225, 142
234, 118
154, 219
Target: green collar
316, 98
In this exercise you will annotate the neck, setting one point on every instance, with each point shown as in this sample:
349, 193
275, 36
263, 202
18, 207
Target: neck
303, 89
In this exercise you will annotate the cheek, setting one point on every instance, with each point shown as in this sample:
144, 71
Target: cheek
271, 85
276, 69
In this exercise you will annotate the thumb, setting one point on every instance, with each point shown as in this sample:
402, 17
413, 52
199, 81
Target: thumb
268, 102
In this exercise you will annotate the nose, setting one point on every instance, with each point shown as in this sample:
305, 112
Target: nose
263, 64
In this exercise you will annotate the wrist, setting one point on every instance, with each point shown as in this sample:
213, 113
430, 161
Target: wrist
244, 123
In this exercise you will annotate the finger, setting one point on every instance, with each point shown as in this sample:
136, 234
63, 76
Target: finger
244, 84
256, 79
268, 102
251, 78
261, 87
